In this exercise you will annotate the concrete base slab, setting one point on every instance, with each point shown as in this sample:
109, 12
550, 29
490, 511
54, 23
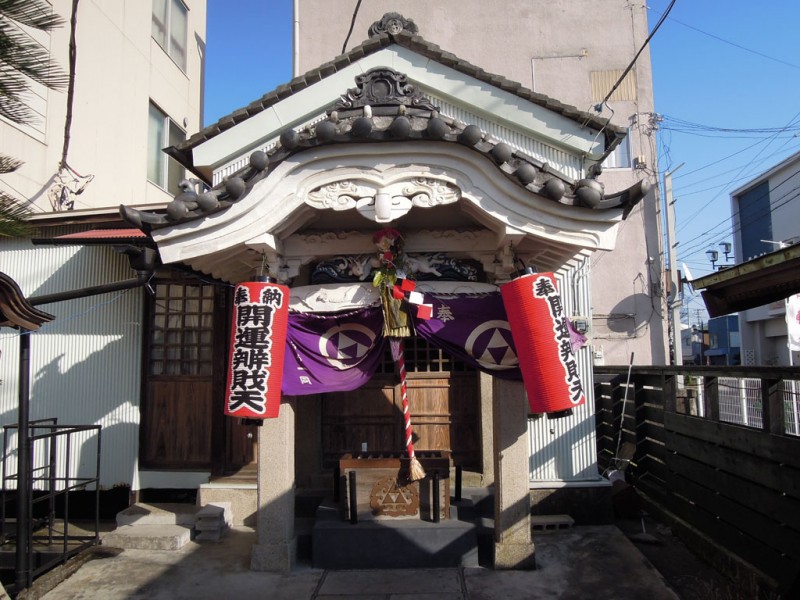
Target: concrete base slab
392, 543
168, 513
148, 537
574, 563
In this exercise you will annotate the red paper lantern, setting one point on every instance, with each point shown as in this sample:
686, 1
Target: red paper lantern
541, 336
258, 341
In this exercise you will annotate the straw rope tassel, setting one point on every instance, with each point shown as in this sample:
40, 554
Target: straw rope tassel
415, 471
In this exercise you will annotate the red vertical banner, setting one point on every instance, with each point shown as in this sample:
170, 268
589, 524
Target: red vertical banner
258, 342
541, 337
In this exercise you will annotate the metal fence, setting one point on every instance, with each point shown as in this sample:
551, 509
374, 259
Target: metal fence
50, 537
740, 400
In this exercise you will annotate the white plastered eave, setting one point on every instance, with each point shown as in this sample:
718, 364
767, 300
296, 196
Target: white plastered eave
273, 201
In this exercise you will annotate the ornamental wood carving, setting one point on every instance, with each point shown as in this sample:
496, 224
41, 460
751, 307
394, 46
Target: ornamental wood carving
391, 497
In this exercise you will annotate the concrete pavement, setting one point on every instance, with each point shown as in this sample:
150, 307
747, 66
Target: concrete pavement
581, 562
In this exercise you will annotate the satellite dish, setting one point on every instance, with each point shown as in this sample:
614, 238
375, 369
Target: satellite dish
688, 275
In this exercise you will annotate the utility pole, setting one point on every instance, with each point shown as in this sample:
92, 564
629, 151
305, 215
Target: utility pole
674, 300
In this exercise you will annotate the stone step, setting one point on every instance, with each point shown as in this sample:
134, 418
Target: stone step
546, 523
168, 513
148, 537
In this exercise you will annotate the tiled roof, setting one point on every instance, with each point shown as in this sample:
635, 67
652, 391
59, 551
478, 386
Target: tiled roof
385, 107
369, 113
182, 152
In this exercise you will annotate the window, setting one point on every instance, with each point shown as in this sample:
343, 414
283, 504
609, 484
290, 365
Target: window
620, 158
161, 169
182, 330
170, 25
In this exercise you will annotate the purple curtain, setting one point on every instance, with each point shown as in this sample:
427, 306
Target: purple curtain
332, 352
473, 328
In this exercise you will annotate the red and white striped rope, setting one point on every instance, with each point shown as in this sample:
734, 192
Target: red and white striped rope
397, 355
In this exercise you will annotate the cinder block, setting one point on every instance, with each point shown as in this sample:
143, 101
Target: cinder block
543, 523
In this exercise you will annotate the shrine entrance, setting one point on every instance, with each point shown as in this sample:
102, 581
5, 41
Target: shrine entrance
444, 405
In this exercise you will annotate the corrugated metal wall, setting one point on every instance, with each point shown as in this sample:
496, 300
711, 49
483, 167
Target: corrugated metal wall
85, 365
565, 450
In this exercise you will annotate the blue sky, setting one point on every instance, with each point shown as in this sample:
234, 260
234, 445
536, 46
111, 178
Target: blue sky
717, 64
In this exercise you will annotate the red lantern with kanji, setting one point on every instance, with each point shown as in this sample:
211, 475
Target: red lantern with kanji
258, 341
541, 337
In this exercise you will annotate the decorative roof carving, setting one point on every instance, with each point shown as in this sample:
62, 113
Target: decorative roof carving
392, 23
387, 203
400, 114
383, 87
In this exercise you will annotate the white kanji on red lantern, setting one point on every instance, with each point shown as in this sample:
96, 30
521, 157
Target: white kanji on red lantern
258, 338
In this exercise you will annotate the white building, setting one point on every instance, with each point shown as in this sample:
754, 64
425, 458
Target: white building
766, 218
137, 89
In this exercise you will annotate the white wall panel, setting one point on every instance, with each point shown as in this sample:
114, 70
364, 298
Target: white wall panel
565, 449
85, 365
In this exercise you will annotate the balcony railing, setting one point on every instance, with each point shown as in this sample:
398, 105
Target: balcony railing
716, 452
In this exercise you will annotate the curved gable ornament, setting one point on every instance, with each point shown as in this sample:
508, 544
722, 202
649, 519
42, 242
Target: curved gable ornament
383, 87
383, 204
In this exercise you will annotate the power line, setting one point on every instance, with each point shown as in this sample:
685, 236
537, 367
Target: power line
727, 233
742, 170
644, 45
734, 44
762, 213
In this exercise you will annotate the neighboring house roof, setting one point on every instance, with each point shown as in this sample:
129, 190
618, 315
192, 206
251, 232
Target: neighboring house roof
15, 311
771, 277
102, 237
386, 107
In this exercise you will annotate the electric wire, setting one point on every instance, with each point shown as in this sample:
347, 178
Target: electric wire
635, 58
725, 233
726, 223
715, 196
352, 24
735, 45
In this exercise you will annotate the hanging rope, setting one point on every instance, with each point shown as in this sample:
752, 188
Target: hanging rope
415, 471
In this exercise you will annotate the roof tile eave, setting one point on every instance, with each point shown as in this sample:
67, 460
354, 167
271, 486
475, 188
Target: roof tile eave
374, 44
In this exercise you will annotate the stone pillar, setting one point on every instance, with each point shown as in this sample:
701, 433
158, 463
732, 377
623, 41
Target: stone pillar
485, 385
513, 546
276, 549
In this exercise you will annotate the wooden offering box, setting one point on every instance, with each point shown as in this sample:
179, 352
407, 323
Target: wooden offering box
383, 490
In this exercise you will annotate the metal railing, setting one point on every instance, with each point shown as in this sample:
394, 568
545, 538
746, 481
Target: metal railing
52, 537
740, 400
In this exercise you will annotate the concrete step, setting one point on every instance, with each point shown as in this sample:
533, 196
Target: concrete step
148, 537
213, 521
547, 523
168, 513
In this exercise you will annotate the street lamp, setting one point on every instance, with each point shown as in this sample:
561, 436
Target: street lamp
713, 256
726, 249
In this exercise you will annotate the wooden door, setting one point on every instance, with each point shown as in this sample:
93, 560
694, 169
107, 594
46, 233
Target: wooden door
183, 425
443, 402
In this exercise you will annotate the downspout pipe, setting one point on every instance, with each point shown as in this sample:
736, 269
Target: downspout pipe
141, 279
